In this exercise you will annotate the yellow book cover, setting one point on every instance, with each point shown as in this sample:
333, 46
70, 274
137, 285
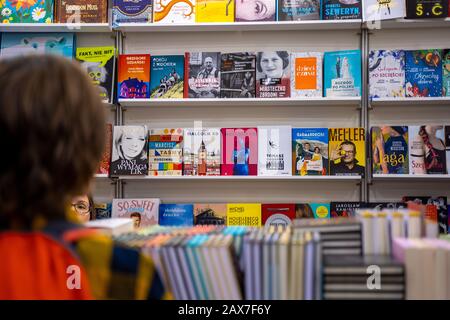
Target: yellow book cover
347, 151
214, 11
244, 214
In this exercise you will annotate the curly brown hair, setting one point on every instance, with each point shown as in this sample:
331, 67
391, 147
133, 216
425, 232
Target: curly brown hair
51, 120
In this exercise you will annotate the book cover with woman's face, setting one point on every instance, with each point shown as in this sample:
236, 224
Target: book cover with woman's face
273, 74
255, 10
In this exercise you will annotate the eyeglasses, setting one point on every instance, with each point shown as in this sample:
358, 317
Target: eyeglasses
82, 207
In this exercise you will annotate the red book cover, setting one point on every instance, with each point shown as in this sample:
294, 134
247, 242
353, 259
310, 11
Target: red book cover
278, 214
106, 158
134, 76
239, 151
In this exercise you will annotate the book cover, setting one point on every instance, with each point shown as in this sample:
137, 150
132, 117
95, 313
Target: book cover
386, 74
144, 212
13, 11
435, 209
214, 11
250, 10
102, 210
390, 150
295, 10
342, 73
166, 152
347, 151
176, 215
174, 11
427, 154
424, 73
201, 152
344, 209
385, 205
202, 74
309, 151
81, 11
238, 75
447, 146
425, 9
312, 210
274, 151
106, 157
244, 214
210, 213
99, 65
341, 9
136, 11
306, 74
134, 76
277, 214
129, 153
446, 73
167, 75
273, 74
376, 10
239, 152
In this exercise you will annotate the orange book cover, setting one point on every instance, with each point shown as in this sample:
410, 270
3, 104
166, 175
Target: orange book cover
134, 76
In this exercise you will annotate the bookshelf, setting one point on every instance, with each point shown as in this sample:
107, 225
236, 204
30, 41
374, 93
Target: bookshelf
56, 27
244, 178
411, 177
407, 24
439, 101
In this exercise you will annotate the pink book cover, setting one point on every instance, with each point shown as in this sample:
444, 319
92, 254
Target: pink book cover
239, 151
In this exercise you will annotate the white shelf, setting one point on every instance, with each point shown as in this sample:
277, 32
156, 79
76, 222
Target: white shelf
409, 177
101, 176
55, 27
408, 23
243, 178
410, 101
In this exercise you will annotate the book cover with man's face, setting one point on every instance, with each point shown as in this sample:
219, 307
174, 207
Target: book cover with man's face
347, 151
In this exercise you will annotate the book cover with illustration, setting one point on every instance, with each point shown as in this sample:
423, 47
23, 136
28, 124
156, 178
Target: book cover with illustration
306, 74
210, 213
312, 210
174, 11
144, 212
134, 76
14, 11
202, 75
376, 10
129, 151
277, 214
214, 11
424, 73
386, 205
81, 11
426, 9
386, 74
341, 9
244, 214
390, 150
238, 75
427, 153
100, 66
167, 75
347, 151
344, 209
446, 73
310, 151
435, 209
102, 210
201, 152
447, 146
176, 215
136, 11
165, 152
295, 10
274, 151
106, 157
342, 73
273, 74
250, 10
239, 152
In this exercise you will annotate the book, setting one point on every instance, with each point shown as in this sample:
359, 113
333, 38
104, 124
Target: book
342, 73
273, 74
112, 227
435, 209
344, 209
176, 215
201, 152
136, 11
310, 151
238, 75
424, 73
167, 75
102, 210
385, 205
12, 11
390, 150
341, 9
134, 76
447, 146
81, 11
446, 72
376, 10
202, 74
321, 210
347, 151
144, 212
274, 151
106, 157
244, 214
249, 10
173, 11
306, 74
100, 66
129, 153
277, 214
239, 151
210, 213
166, 152
214, 11
294, 10
424, 9
386, 74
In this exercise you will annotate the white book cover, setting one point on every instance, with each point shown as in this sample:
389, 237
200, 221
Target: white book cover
174, 11
376, 10
306, 74
386, 74
274, 151
201, 152
112, 226
144, 212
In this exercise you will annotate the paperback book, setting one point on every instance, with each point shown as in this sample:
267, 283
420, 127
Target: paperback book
136, 11
13, 11
424, 73
238, 75
134, 76
386, 74
436, 209
167, 75
81, 11
342, 73
273, 74
306, 74
390, 150
176, 215
249, 10
202, 71
106, 157
294, 10
310, 151
102, 210
446, 73
174, 11
244, 214
201, 152
312, 210
376, 10
344, 209
341, 9
425, 9
347, 151
144, 212
274, 151
278, 214
214, 11
210, 213
427, 151
166, 152
239, 151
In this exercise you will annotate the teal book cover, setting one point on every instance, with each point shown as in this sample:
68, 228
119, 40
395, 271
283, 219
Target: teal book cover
342, 73
446, 73
28, 11
321, 210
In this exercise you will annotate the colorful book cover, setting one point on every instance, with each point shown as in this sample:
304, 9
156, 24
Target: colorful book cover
144, 212
386, 74
238, 75
274, 151
13, 11
210, 213
312, 210
136, 11
134, 76
306, 74
244, 214
390, 150
176, 215
277, 214
102, 210
99, 65
250, 10
106, 157
310, 151
376, 10
425, 9
424, 73
273, 74
214, 11
341, 9
295, 10
446, 73
201, 152
436, 209
81, 11
347, 151
202, 71
19, 44
174, 11
167, 75
129, 153
239, 151
344, 209
166, 152
447, 147
427, 153
342, 73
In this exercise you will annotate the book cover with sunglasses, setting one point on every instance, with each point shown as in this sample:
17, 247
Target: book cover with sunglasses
347, 151
427, 150
251, 10
424, 73
295, 10
239, 152
390, 150
144, 212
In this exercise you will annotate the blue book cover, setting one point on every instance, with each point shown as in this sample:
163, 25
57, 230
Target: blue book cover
424, 73
310, 151
342, 73
341, 9
136, 11
176, 214
321, 210
166, 76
